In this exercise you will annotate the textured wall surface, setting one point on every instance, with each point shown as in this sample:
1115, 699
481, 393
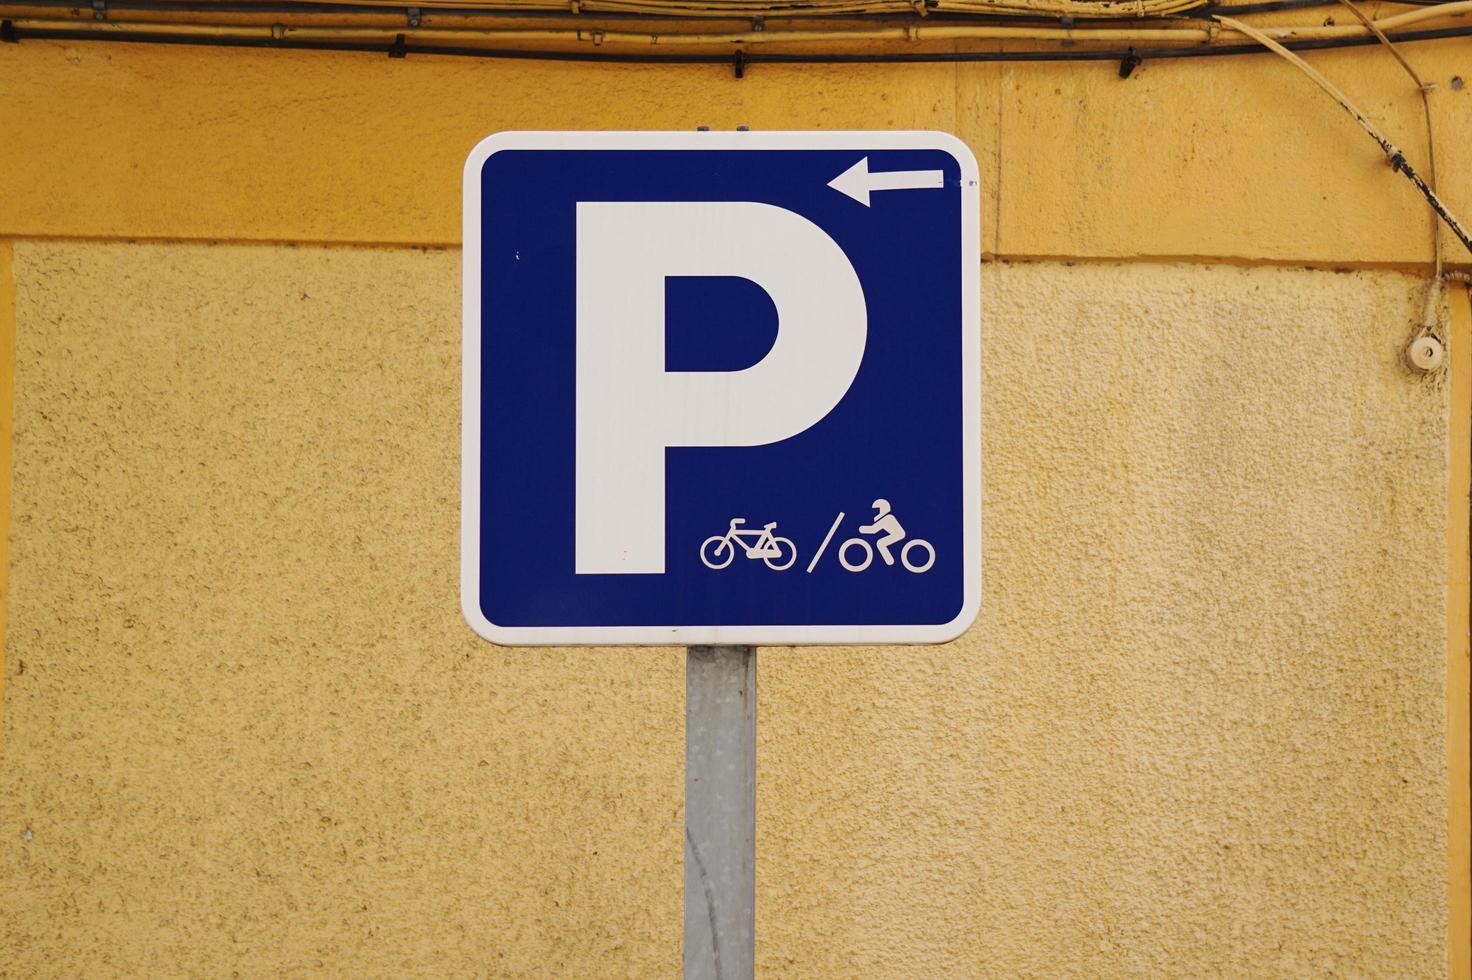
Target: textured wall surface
1198, 730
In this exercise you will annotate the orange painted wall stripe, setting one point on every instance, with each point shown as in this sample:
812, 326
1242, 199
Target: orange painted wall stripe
1458, 679
355, 149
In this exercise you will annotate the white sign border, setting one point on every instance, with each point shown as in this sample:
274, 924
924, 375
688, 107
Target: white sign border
470, 485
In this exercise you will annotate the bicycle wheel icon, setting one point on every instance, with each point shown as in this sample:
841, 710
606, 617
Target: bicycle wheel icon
785, 556
716, 552
865, 555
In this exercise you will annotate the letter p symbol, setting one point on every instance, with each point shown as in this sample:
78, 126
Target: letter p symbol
630, 409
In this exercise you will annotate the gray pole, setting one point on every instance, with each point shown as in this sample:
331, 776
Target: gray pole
720, 813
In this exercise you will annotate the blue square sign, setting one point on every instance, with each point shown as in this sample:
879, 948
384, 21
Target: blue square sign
721, 388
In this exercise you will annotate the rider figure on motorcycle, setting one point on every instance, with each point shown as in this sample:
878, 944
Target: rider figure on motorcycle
885, 521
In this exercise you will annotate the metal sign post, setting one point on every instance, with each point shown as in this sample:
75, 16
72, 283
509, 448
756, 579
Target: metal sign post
720, 812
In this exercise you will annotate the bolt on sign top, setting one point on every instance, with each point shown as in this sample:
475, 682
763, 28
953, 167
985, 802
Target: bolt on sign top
721, 388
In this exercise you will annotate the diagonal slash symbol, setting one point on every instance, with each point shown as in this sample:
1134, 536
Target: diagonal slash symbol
826, 538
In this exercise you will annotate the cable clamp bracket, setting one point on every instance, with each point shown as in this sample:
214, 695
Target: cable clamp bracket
1129, 63
399, 49
7, 32
411, 14
99, 9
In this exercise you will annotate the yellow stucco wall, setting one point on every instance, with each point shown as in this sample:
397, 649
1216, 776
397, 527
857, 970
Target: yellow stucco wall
1202, 727
1198, 728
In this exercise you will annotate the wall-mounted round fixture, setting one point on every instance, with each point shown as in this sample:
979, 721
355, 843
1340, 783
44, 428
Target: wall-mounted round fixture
1426, 353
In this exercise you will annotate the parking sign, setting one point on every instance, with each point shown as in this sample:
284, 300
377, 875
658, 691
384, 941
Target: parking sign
721, 388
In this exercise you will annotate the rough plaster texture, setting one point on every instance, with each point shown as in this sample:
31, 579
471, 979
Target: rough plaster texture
1230, 157
1198, 730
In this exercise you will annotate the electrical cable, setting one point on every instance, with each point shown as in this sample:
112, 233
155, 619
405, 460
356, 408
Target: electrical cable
1084, 9
1274, 6
9, 31
1397, 159
1088, 10
1429, 312
1207, 34
321, 7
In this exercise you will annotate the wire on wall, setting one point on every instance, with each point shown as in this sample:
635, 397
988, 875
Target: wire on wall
1430, 308
1393, 153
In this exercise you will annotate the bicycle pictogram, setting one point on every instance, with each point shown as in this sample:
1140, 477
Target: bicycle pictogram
719, 550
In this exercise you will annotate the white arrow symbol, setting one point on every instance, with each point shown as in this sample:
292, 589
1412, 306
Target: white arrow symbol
857, 182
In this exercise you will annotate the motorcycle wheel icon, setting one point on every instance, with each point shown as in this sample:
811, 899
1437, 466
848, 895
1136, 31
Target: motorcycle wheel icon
866, 555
